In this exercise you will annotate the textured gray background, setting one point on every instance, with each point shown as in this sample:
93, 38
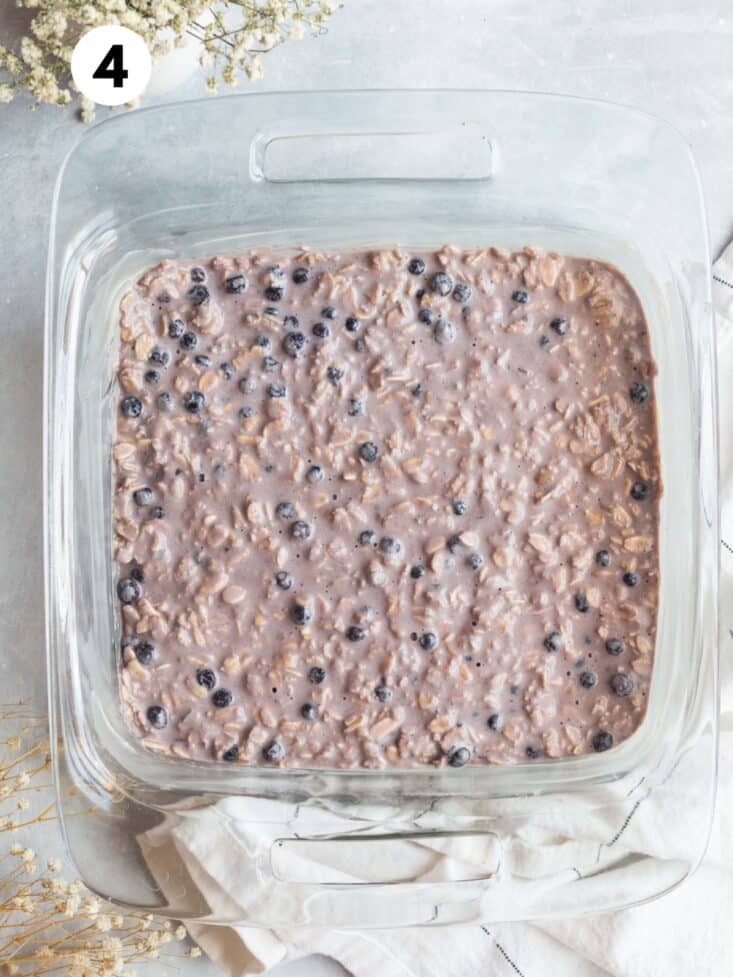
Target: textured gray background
673, 58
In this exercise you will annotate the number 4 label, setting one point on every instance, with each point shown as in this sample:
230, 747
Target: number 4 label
111, 65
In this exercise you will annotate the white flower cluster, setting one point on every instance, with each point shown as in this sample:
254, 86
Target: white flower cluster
51, 927
233, 35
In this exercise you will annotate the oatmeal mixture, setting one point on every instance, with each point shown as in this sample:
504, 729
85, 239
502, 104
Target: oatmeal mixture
385, 509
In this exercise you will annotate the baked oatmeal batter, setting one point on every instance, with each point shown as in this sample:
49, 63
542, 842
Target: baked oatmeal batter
385, 508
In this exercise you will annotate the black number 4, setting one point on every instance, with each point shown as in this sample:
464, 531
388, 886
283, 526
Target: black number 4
111, 67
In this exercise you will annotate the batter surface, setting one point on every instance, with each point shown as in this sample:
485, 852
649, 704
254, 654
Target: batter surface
385, 508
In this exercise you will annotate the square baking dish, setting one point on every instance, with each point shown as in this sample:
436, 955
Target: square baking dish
355, 169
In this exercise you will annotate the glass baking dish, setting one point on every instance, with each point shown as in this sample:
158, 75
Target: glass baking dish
415, 168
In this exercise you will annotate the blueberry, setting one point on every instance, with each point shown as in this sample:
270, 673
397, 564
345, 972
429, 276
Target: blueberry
454, 543
152, 377
631, 579
544, 341
355, 633
176, 328
521, 296
231, 754
554, 641
161, 357
301, 529
274, 293
356, 407
222, 698
328, 312
290, 322
270, 311
129, 591
335, 375
351, 324
622, 684
603, 558
475, 560
321, 331
416, 266
227, 370
315, 474
615, 647
164, 401
459, 507
367, 537
145, 652
588, 679
581, 603
444, 332
459, 757
247, 385
359, 345
309, 711
300, 614
495, 722
383, 693
417, 390
198, 274
427, 316
157, 717
559, 325
206, 677
235, 284
283, 579
316, 675
194, 401
157, 512
369, 451
143, 496
276, 390
262, 341
294, 344
640, 491
285, 510
442, 283
390, 546
428, 641
301, 275
274, 752
202, 360
270, 364
420, 293
164, 298
602, 741
638, 392
462, 292
132, 407
137, 573
189, 340
417, 571
532, 753
198, 294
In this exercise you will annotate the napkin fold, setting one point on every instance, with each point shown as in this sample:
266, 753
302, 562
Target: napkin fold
686, 932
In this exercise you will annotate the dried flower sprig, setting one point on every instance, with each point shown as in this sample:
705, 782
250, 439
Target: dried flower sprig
50, 927
233, 35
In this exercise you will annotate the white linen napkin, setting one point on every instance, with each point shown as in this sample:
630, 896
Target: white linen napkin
686, 932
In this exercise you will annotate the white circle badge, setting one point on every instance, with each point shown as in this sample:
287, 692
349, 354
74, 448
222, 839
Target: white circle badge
111, 65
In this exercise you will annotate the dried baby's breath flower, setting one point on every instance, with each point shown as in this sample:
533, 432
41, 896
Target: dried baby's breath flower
232, 34
48, 926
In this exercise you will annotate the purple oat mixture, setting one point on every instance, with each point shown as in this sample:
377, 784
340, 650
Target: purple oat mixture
380, 509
